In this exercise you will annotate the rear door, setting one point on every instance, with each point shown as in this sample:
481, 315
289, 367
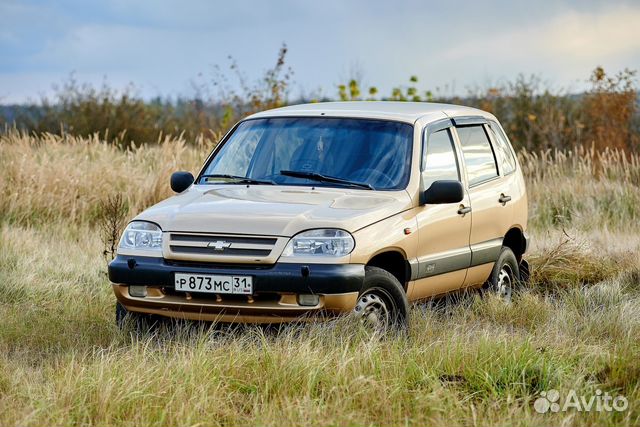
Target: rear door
443, 248
488, 191
515, 190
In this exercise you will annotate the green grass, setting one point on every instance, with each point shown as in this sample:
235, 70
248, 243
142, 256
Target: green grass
473, 361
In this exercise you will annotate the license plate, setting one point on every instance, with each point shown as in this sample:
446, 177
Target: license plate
213, 283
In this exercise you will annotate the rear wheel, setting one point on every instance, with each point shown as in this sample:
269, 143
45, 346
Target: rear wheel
382, 303
505, 276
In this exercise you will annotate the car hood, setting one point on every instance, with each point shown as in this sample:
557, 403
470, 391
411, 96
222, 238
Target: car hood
273, 210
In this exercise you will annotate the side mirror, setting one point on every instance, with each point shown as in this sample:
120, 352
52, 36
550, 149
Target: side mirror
180, 181
444, 191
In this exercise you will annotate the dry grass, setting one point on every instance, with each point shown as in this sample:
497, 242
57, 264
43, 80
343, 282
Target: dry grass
583, 188
473, 362
52, 178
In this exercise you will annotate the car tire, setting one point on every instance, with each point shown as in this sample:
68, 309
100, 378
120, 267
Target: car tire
382, 303
505, 276
142, 323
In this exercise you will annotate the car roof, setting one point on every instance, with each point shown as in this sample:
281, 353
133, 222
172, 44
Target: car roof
408, 112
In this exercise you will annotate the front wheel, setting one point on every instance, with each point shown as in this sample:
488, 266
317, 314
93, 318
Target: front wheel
382, 303
505, 276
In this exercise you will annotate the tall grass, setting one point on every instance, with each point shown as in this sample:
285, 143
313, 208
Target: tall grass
583, 188
475, 361
52, 177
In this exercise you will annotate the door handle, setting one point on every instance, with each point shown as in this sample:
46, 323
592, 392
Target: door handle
504, 199
463, 210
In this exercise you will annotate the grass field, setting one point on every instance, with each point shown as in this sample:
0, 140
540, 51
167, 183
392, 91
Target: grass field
473, 361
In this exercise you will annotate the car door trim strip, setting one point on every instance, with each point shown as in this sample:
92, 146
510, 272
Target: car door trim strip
456, 259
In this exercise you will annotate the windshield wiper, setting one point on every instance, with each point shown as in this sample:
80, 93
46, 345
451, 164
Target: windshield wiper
324, 178
240, 179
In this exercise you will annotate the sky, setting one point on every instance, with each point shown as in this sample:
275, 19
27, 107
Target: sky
166, 48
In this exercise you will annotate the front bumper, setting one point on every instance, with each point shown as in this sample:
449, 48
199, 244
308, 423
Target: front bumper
274, 298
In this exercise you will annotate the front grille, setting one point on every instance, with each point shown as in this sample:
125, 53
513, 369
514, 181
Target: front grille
228, 251
219, 245
216, 265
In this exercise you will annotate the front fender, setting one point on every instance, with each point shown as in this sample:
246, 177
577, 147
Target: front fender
398, 233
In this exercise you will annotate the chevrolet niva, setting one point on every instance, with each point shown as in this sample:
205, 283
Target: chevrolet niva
320, 209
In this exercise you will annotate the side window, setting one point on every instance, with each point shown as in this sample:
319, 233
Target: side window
478, 154
439, 158
505, 155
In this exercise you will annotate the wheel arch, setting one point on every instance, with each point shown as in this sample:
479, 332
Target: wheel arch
516, 240
395, 262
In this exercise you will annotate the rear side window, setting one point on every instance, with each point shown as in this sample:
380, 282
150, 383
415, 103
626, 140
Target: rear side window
439, 159
478, 154
505, 155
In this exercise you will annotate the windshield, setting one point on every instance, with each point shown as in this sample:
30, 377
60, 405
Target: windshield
331, 152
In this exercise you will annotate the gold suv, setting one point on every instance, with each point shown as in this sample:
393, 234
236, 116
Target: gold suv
328, 208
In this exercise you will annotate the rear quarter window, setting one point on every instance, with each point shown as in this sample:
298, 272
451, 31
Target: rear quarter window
503, 149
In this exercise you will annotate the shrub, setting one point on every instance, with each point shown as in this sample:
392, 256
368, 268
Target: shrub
535, 117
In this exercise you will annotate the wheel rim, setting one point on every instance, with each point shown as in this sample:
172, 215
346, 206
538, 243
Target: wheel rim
504, 287
374, 309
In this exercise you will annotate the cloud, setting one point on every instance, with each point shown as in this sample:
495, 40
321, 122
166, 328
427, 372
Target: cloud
593, 36
161, 47
569, 37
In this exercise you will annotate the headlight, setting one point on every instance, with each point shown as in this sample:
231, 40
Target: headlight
324, 242
142, 235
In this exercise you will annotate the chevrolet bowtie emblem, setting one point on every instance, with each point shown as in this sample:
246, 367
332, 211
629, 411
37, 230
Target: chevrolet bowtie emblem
219, 245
